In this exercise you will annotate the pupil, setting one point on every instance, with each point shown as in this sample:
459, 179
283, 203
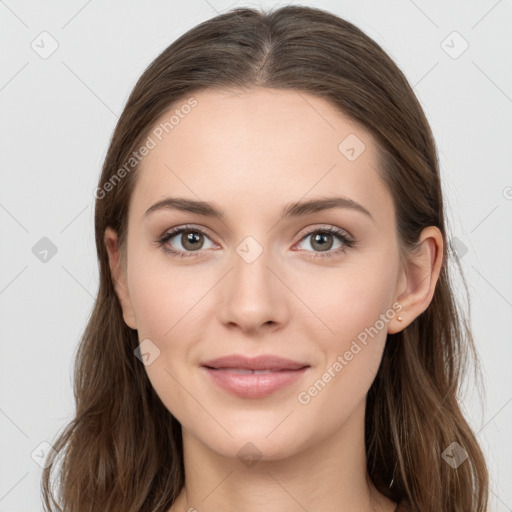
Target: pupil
321, 240
191, 239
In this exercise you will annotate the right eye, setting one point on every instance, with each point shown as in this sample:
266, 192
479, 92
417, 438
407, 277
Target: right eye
191, 241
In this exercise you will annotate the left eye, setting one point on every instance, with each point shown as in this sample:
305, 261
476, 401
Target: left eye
322, 240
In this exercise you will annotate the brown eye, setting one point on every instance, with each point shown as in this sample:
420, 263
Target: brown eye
323, 240
191, 240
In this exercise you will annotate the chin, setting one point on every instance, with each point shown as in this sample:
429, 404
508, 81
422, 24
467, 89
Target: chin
254, 445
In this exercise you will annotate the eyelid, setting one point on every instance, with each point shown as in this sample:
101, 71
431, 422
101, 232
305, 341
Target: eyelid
329, 228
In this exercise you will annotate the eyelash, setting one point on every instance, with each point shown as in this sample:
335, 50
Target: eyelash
347, 242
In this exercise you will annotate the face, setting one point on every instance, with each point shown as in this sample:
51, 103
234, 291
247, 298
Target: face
318, 287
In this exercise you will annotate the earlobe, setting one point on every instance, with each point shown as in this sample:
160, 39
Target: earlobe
119, 277
420, 275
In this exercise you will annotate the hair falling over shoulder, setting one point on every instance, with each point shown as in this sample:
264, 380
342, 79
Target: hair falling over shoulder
123, 450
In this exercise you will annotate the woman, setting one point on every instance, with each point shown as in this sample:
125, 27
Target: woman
275, 325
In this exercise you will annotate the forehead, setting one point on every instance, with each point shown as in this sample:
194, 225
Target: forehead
257, 147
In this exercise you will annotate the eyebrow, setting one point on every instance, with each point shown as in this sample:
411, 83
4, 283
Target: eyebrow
295, 209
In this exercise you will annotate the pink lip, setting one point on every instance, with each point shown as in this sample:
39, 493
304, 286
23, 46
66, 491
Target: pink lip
283, 372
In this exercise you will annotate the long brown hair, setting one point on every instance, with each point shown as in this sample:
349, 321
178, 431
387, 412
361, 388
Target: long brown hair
123, 449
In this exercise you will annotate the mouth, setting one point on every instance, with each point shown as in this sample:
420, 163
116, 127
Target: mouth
254, 377
264, 363
244, 371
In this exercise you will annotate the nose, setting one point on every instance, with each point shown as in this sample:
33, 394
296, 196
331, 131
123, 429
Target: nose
254, 296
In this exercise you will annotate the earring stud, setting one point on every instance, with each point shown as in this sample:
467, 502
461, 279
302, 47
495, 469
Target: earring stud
399, 318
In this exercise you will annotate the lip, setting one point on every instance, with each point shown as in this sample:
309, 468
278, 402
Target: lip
230, 373
264, 362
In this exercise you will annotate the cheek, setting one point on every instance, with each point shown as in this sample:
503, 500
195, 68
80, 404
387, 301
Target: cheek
352, 354
355, 306
349, 303
167, 304
163, 295
169, 307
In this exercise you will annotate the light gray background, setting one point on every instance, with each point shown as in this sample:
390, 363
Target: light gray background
58, 114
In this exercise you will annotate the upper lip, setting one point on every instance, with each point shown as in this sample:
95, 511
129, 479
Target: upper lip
264, 362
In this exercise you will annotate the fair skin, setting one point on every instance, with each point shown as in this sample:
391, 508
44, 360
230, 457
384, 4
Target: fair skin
250, 153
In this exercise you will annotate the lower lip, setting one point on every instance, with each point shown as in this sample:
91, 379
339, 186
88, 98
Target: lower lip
254, 385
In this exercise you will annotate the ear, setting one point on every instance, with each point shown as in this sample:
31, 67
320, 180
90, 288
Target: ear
418, 279
119, 277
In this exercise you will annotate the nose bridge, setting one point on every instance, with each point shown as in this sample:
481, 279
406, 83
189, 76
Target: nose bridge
253, 295
251, 277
